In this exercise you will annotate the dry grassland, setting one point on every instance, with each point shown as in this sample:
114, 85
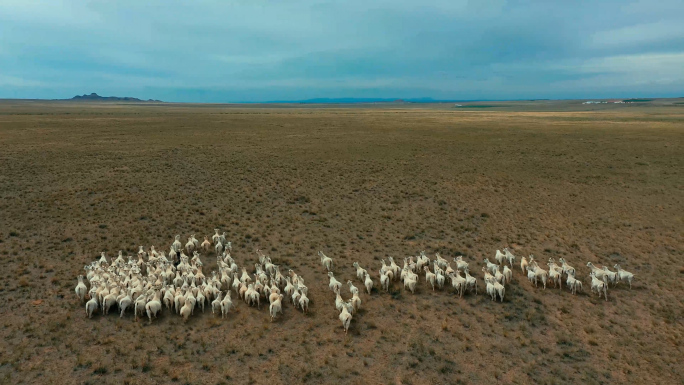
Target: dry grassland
360, 184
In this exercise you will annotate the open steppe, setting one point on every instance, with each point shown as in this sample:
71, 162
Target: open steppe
360, 184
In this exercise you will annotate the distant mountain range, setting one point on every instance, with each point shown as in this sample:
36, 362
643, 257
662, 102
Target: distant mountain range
98, 98
365, 100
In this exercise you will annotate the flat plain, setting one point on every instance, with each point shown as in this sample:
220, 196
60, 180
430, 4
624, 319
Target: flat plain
361, 184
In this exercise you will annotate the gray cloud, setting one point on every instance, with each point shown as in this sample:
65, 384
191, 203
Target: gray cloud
266, 50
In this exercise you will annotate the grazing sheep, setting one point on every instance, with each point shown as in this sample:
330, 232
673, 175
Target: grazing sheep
624, 275
81, 289
326, 261
206, 245
216, 236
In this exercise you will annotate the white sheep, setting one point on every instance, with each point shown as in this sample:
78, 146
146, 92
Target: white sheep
91, 306
523, 264
186, 310
624, 275
326, 261
460, 263
216, 304
458, 282
176, 246
352, 289
573, 284
491, 267
384, 281
440, 279
304, 303
567, 269
81, 289
226, 304
154, 306
610, 276
334, 284
430, 277
368, 283
508, 274
360, 272
471, 282
346, 318
276, 307
509, 256
190, 246
356, 302
499, 257
410, 284
598, 286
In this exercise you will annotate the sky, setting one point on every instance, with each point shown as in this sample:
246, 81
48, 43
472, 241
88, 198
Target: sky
263, 50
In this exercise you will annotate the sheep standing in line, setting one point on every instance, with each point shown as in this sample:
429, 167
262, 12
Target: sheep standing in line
624, 275
598, 286
81, 289
346, 318
326, 261
368, 282
523, 264
334, 284
276, 307
509, 256
360, 272
430, 277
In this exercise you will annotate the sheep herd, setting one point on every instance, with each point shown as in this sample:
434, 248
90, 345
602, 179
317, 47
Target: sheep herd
176, 282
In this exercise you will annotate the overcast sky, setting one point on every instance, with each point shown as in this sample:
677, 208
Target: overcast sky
257, 50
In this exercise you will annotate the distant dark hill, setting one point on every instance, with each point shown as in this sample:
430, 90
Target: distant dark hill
98, 98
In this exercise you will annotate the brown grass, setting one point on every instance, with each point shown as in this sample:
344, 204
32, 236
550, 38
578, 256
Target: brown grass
360, 184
